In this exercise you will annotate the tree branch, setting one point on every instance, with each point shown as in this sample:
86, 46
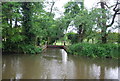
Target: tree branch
116, 11
113, 19
107, 5
51, 8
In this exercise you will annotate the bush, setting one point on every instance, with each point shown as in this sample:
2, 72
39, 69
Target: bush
93, 50
31, 49
74, 49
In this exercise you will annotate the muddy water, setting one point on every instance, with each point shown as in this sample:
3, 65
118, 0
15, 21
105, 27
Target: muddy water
56, 64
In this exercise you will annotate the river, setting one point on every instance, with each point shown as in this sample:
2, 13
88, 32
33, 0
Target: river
57, 64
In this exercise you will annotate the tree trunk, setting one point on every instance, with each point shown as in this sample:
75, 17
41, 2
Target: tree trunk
104, 39
80, 39
116, 10
81, 33
104, 27
88, 39
16, 22
11, 22
102, 73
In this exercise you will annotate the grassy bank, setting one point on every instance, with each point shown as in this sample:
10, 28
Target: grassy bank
95, 50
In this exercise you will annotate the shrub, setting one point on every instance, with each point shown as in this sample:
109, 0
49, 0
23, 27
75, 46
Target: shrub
31, 49
93, 50
74, 49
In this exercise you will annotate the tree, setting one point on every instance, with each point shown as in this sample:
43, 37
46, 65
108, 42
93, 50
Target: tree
15, 36
84, 23
81, 17
27, 22
103, 24
10, 34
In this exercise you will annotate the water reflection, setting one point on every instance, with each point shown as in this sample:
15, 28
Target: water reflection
96, 68
56, 64
111, 73
95, 71
64, 56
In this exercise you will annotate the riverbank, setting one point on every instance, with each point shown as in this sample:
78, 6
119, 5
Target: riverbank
95, 50
23, 49
82, 49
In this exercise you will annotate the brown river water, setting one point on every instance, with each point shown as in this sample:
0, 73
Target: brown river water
57, 64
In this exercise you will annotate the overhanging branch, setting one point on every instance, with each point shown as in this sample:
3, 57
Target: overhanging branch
113, 19
116, 11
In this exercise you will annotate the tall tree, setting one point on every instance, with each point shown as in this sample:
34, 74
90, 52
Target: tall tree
84, 23
104, 24
8, 16
27, 22
81, 17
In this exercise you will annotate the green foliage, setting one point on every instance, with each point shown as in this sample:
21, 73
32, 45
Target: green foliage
27, 22
88, 22
113, 37
31, 49
14, 35
0, 45
82, 19
34, 22
72, 8
73, 37
94, 50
